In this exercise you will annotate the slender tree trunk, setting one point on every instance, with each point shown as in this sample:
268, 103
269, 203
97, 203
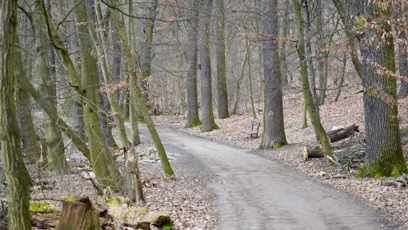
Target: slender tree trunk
17, 177
222, 91
56, 161
273, 135
352, 44
238, 86
138, 93
313, 113
77, 110
251, 93
283, 44
206, 83
308, 51
134, 115
321, 54
343, 73
146, 58
193, 118
403, 61
31, 148
105, 170
103, 58
383, 154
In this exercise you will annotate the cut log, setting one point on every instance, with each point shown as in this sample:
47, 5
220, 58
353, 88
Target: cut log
79, 215
340, 134
312, 152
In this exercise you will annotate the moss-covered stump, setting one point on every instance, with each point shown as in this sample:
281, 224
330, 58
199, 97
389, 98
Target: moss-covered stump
44, 215
79, 215
139, 217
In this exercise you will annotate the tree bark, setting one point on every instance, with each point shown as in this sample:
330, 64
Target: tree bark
208, 122
17, 177
104, 168
313, 113
384, 156
79, 215
273, 135
138, 94
193, 118
222, 91
56, 161
340, 134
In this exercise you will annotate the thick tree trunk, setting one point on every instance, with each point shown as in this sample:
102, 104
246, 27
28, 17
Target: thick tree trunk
313, 113
193, 118
273, 135
222, 91
208, 122
384, 156
17, 177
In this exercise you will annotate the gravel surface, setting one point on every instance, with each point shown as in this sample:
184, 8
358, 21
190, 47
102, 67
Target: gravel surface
391, 202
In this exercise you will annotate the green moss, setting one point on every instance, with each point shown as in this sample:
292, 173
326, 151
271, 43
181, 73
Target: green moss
69, 199
195, 123
115, 200
168, 226
43, 208
279, 144
377, 171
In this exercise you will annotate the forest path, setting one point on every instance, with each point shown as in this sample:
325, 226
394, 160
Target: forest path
253, 192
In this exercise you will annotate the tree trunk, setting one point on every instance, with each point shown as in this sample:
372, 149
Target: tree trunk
251, 94
56, 161
222, 91
206, 84
146, 58
273, 135
17, 177
138, 94
340, 134
31, 148
343, 73
283, 45
193, 118
308, 52
101, 159
313, 113
403, 61
133, 180
384, 156
352, 45
133, 113
238, 86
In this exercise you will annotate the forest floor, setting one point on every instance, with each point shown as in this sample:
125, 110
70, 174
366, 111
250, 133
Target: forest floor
391, 202
189, 199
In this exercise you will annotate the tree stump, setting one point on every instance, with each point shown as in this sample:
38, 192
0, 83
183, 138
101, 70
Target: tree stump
79, 215
312, 152
133, 181
340, 134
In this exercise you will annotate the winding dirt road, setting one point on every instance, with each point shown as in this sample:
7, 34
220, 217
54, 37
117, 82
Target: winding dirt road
253, 192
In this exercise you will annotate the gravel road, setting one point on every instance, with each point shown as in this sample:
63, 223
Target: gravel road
254, 192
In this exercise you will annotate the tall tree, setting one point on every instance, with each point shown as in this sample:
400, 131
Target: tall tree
273, 135
107, 174
193, 118
56, 161
17, 177
146, 54
309, 103
222, 92
206, 83
384, 156
136, 91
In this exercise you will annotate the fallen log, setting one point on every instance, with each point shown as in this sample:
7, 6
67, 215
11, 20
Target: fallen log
312, 152
340, 134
